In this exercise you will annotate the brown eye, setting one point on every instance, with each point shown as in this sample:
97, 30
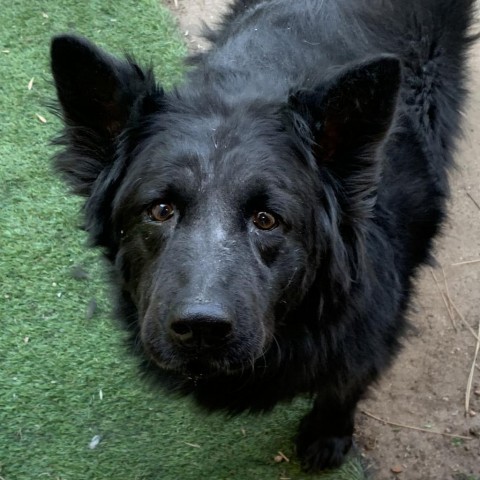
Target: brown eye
161, 212
264, 220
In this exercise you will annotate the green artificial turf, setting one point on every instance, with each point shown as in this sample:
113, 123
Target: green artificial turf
64, 374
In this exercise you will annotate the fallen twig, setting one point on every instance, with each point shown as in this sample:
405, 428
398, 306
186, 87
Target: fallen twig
468, 262
281, 457
455, 308
449, 298
472, 372
473, 200
194, 445
284, 456
462, 318
410, 427
447, 306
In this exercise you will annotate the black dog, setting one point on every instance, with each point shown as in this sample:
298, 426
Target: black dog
265, 219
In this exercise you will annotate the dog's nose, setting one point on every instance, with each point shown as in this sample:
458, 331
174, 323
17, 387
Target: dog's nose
200, 325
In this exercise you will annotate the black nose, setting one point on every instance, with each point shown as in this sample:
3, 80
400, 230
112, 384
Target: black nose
200, 325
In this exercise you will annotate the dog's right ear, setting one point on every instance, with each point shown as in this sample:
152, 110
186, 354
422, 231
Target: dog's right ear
348, 117
98, 95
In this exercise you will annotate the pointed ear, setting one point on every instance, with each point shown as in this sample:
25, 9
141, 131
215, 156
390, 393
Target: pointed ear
346, 119
353, 110
98, 94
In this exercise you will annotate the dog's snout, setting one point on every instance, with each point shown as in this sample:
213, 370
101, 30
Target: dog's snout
202, 325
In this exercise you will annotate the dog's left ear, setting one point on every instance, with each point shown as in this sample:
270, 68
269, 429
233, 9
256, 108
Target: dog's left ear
349, 116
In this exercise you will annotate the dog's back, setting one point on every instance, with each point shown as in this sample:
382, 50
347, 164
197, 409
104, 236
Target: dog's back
298, 44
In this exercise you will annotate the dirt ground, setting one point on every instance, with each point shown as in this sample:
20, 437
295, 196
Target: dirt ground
427, 386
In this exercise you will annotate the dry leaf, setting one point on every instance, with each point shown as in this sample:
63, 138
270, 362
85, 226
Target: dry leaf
41, 118
30, 83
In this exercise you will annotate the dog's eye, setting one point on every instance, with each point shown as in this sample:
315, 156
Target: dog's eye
161, 212
265, 220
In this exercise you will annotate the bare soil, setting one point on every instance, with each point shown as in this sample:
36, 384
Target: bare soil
426, 388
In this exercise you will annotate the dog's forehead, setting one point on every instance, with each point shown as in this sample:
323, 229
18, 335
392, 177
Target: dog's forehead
215, 150
218, 165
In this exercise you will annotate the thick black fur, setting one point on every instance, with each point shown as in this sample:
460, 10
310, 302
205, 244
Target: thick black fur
335, 118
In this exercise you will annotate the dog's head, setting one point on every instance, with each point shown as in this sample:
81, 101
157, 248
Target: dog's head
218, 213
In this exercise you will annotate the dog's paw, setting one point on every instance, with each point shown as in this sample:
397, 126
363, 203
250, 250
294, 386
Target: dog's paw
322, 452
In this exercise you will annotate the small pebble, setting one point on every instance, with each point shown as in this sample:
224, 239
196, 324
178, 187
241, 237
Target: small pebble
281, 457
94, 442
397, 469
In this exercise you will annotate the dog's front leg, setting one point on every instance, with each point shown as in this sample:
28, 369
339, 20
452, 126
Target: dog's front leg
325, 434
